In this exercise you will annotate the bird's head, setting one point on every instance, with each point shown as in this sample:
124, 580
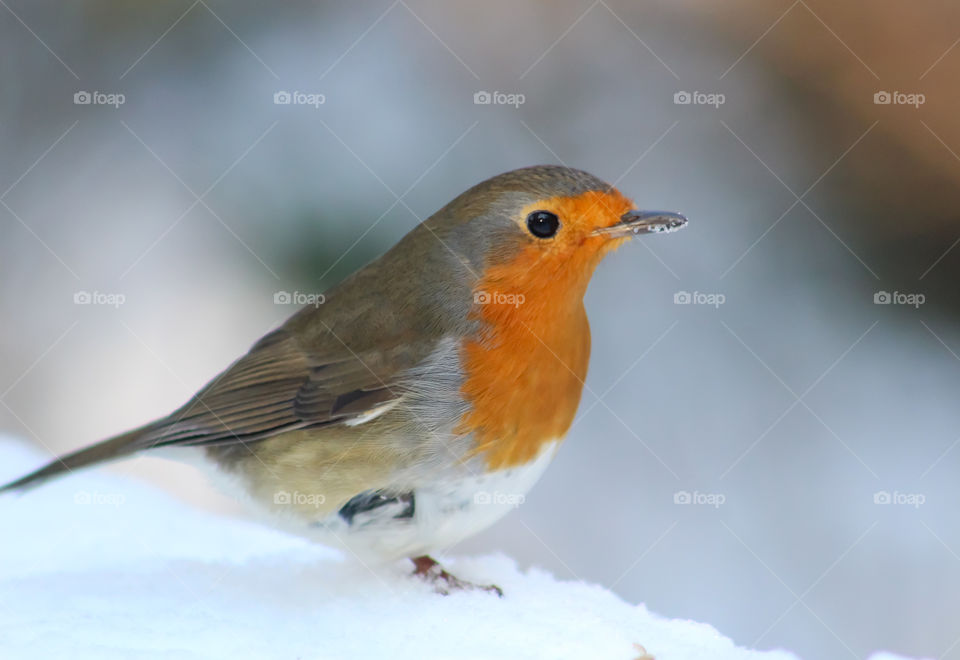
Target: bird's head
540, 231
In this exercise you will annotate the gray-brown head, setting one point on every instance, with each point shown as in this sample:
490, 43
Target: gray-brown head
523, 231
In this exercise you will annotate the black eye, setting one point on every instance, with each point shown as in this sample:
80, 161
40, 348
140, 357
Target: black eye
543, 224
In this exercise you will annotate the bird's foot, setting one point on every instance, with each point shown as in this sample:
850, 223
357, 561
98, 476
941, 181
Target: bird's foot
431, 570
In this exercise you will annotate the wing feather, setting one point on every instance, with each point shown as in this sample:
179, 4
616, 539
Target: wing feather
280, 386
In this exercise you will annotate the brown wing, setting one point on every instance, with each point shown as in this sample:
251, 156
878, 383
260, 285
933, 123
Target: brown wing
280, 386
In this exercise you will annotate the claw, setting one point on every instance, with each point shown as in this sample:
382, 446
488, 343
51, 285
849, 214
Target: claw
444, 582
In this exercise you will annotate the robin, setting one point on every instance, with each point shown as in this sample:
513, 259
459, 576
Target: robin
427, 393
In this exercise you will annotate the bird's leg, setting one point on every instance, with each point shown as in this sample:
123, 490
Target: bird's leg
431, 570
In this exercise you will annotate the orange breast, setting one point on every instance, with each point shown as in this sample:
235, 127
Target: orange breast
524, 377
524, 387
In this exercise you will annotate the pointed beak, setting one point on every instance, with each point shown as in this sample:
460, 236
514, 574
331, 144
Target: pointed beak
644, 222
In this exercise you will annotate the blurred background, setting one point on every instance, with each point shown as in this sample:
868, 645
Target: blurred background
768, 438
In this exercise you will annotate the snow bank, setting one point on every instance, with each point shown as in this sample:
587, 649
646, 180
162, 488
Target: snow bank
94, 566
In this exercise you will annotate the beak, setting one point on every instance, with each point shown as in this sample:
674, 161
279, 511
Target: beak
644, 222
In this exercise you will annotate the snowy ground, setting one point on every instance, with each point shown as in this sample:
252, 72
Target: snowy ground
94, 566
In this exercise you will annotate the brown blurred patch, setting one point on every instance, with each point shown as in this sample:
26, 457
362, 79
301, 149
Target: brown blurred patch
842, 54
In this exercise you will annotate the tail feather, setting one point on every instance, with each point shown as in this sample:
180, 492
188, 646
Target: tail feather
106, 450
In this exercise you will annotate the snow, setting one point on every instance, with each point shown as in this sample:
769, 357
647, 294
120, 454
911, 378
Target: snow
96, 566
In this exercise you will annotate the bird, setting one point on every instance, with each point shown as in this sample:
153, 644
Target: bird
425, 395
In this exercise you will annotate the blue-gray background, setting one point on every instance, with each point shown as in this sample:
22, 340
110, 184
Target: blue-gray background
798, 403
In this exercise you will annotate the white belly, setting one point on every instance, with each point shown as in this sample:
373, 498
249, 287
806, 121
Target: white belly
444, 514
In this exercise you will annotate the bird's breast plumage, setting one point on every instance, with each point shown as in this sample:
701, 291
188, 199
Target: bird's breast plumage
523, 377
